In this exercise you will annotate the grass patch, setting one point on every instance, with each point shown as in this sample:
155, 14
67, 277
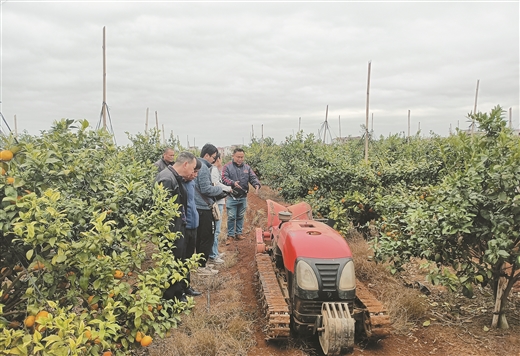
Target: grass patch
217, 326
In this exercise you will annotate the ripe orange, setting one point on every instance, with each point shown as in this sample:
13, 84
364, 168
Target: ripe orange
29, 321
38, 266
6, 155
107, 353
159, 307
18, 268
89, 300
42, 314
130, 273
3, 172
147, 340
138, 336
150, 308
88, 334
118, 274
10, 180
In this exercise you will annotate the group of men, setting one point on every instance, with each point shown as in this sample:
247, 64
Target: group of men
190, 179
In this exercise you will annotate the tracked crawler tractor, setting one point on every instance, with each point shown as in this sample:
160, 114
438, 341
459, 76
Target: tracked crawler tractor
307, 282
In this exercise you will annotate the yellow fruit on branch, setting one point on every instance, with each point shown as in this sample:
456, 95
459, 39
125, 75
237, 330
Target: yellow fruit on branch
29, 321
118, 274
42, 314
146, 340
38, 266
138, 336
6, 155
9, 180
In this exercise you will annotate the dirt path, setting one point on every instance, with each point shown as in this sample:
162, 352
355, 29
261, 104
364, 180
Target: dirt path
439, 338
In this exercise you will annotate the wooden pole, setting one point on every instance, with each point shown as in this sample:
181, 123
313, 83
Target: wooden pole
474, 110
262, 132
163, 135
326, 124
156, 122
339, 122
408, 123
146, 122
15, 127
366, 121
299, 123
510, 118
104, 109
372, 126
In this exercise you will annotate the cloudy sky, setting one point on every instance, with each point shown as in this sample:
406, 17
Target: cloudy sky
213, 71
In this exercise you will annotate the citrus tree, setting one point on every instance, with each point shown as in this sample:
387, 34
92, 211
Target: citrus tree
85, 246
469, 222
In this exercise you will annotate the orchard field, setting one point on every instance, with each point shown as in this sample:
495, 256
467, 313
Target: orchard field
451, 202
84, 248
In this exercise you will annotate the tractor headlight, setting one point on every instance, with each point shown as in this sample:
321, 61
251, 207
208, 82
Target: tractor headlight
347, 280
305, 276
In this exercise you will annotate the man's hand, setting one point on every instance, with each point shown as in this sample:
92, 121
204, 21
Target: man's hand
256, 189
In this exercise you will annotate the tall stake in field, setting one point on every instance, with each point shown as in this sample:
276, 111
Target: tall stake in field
408, 123
156, 122
146, 122
366, 122
104, 108
474, 110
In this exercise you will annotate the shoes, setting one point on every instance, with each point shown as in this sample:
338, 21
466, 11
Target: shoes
240, 237
183, 299
228, 240
221, 254
192, 292
217, 260
207, 271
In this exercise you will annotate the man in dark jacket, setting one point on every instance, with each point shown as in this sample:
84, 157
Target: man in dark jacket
238, 175
171, 179
166, 160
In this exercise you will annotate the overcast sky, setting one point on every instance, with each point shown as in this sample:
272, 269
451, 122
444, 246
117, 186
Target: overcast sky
213, 70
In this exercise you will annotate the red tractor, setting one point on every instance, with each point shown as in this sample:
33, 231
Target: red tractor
307, 282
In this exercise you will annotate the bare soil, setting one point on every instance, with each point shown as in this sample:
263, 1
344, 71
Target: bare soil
457, 326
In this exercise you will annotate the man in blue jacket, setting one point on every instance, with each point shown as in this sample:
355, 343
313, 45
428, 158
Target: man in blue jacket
238, 175
205, 193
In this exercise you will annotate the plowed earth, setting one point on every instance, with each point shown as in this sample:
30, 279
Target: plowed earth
441, 337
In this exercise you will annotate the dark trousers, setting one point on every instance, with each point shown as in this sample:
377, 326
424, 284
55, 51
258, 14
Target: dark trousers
191, 240
205, 236
179, 252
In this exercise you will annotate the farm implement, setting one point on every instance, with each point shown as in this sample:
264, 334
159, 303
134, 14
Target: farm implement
307, 282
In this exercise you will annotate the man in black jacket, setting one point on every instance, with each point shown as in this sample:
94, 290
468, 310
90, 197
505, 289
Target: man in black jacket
166, 160
171, 179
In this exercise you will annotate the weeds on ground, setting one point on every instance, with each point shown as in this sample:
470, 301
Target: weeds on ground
217, 326
405, 306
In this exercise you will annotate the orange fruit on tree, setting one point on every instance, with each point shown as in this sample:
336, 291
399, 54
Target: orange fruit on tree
18, 268
89, 300
3, 171
118, 274
38, 266
6, 155
29, 321
138, 336
107, 353
94, 306
42, 314
159, 307
88, 334
146, 340
150, 308
10, 180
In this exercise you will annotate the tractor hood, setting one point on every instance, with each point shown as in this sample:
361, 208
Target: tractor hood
310, 239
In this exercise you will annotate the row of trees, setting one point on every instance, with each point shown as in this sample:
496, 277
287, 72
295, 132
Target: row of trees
85, 244
453, 201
